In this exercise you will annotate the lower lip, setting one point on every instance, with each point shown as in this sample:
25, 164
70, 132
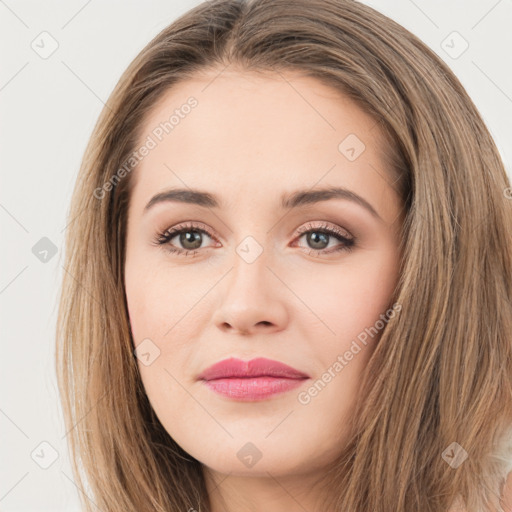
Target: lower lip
252, 388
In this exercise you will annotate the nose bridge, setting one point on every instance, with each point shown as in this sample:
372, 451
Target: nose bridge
251, 235
249, 300
255, 228
253, 243
250, 260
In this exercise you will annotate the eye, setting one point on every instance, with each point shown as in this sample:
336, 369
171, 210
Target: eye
319, 237
191, 237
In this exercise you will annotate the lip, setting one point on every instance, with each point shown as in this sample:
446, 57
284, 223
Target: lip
252, 380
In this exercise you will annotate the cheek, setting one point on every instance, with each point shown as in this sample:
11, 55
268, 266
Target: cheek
152, 297
371, 289
137, 303
153, 312
148, 309
349, 297
164, 321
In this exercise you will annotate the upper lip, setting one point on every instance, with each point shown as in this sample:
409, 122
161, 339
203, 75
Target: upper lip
259, 367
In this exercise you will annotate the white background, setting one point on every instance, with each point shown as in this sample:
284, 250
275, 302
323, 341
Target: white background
48, 108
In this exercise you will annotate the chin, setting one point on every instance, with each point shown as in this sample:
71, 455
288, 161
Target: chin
255, 459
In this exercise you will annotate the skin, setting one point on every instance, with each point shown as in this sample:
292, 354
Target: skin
507, 494
250, 139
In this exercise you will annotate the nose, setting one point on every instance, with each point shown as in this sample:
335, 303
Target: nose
253, 299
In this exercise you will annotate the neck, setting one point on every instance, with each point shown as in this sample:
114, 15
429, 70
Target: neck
262, 493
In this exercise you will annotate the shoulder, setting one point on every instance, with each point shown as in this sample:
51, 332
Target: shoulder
505, 501
507, 494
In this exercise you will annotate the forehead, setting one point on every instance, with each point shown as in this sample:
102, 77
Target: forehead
257, 134
252, 108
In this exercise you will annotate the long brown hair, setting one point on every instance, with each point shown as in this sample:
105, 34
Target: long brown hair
442, 371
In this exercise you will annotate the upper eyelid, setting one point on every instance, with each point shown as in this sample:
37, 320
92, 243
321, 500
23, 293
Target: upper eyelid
326, 225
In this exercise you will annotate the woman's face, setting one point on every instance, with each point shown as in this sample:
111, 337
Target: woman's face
306, 283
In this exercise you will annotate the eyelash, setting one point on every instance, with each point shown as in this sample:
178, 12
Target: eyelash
164, 238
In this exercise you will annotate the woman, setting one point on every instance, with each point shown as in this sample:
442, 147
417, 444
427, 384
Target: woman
299, 293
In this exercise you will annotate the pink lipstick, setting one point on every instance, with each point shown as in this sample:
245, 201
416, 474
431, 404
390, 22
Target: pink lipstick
257, 379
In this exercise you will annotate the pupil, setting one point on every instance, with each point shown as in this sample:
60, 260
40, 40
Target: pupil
194, 239
315, 237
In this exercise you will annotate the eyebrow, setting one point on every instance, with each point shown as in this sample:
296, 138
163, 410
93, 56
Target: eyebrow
288, 200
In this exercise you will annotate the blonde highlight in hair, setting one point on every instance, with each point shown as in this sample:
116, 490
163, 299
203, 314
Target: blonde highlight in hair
442, 370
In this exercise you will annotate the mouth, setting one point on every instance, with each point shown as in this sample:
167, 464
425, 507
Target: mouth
257, 379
